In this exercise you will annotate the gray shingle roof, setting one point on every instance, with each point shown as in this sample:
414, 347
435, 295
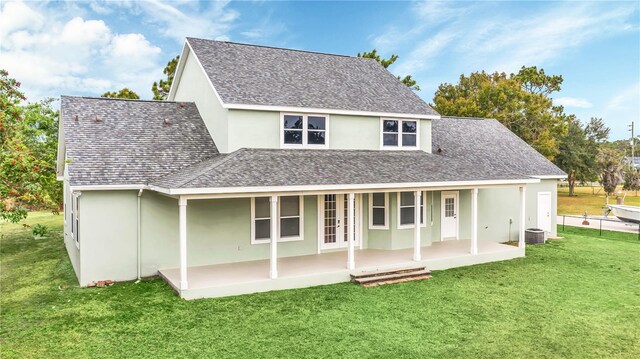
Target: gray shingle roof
131, 143
292, 167
259, 75
487, 143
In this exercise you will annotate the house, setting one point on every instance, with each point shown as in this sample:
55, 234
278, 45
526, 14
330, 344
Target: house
272, 168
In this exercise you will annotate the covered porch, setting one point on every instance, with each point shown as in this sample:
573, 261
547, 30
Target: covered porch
328, 268
337, 223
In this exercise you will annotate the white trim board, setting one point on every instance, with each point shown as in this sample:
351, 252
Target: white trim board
390, 187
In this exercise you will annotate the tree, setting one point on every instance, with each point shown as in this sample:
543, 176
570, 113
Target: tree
161, 88
578, 150
631, 180
610, 165
407, 80
123, 93
519, 101
28, 141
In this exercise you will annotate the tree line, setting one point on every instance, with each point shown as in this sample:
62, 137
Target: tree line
522, 102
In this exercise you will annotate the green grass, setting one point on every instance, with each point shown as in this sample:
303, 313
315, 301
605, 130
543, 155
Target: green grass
578, 297
590, 199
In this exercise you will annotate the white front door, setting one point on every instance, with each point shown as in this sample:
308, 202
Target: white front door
449, 215
334, 220
544, 211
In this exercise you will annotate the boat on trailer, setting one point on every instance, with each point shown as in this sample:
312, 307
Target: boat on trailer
626, 213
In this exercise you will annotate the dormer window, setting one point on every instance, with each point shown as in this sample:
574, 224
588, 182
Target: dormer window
399, 134
302, 130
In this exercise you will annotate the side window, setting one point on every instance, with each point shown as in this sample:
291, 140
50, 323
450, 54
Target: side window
289, 219
406, 209
306, 131
399, 134
378, 210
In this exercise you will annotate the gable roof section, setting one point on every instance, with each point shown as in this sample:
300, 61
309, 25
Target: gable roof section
296, 167
487, 143
131, 143
266, 76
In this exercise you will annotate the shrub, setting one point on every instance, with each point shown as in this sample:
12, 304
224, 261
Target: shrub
39, 230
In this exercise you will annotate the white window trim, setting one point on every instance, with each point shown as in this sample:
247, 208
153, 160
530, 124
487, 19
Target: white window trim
280, 239
399, 146
386, 212
305, 130
424, 212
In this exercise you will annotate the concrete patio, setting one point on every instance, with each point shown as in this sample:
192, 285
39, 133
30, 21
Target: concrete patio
221, 280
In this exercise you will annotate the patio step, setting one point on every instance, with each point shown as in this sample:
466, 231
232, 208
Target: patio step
390, 277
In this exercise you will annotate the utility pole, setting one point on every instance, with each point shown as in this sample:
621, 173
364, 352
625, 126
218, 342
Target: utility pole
633, 146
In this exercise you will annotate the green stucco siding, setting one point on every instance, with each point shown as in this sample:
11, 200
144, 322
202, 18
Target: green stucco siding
69, 242
354, 132
219, 230
253, 129
108, 228
195, 87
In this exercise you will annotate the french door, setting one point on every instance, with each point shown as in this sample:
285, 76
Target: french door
334, 221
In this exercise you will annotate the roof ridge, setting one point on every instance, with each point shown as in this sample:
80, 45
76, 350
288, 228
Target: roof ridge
278, 48
123, 99
208, 168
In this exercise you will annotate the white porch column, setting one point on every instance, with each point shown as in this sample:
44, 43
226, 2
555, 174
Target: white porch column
522, 216
182, 205
351, 261
474, 221
273, 273
417, 199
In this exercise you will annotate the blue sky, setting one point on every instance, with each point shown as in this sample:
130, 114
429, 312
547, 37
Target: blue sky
86, 48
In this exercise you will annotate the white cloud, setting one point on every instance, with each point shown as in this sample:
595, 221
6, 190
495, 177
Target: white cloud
423, 55
73, 55
573, 102
18, 16
628, 98
188, 19
508, 44
487, 36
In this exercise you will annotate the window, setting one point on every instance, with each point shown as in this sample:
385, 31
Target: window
290, 219
406, 209
378, 210
75, 218
300, 130
399, 134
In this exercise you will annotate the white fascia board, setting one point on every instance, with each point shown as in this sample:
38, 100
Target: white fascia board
234, 106
61, 156
178, 75
356, 188
112, 187
550, 177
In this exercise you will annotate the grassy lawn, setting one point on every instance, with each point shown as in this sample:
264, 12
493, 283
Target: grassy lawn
578, 297
588, 199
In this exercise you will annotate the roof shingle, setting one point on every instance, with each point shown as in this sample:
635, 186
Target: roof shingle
486, 142
260, 75
131, 143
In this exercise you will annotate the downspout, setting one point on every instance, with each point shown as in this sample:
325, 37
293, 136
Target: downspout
138, 236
